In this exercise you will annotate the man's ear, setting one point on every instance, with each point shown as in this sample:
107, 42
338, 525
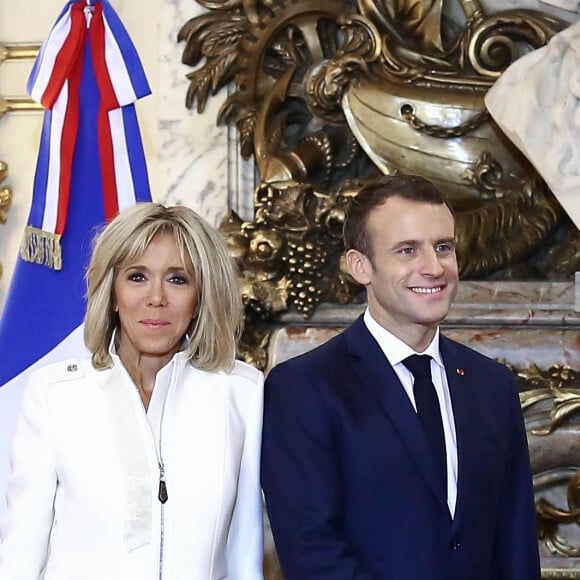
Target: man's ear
359, 267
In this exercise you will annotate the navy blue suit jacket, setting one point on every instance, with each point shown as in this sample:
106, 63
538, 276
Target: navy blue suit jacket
350, 482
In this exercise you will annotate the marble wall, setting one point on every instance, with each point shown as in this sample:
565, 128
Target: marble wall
523, 323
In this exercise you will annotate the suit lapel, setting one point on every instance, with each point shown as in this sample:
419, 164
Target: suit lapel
464, 412
377, 375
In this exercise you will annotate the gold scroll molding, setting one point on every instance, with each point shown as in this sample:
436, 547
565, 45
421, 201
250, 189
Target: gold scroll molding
551, 402
15, 52
5, 197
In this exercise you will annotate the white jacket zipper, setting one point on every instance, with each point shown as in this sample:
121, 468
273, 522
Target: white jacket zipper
162, 495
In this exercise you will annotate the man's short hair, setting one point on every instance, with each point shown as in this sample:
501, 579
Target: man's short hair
374, 194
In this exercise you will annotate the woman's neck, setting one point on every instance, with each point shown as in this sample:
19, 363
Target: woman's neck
143, 370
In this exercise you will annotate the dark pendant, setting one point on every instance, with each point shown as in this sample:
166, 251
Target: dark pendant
162, 492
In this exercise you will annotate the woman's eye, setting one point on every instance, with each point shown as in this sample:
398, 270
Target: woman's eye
136, 277
178, 280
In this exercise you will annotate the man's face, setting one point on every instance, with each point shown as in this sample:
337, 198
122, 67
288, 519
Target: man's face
414, 277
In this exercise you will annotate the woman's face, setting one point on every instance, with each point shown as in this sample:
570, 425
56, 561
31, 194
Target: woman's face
155, 297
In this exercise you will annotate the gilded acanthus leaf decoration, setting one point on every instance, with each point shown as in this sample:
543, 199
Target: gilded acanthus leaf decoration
216, 40
209, 79
558, 383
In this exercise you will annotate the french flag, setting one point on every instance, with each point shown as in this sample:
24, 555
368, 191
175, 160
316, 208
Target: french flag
90, 166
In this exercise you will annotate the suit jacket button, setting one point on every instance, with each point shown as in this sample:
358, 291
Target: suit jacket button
454, 544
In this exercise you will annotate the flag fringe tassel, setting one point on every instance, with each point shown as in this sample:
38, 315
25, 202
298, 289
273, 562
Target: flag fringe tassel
41, 247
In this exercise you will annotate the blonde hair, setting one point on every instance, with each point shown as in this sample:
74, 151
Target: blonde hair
216, 327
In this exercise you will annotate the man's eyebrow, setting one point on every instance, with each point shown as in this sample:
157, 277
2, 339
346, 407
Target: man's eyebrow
406, 243
451, 240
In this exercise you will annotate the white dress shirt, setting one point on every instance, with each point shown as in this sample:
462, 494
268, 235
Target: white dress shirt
396, 351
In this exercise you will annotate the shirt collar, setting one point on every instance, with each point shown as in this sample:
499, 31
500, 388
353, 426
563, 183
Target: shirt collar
180, 355
394, 348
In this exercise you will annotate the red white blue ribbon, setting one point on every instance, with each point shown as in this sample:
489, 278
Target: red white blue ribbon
55, 82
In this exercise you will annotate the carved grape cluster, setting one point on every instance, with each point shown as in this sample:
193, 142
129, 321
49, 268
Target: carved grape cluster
306, 261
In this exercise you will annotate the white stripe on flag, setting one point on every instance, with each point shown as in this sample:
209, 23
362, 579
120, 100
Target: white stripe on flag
50, 50
54, 162
11, 393
118, 72
123, 174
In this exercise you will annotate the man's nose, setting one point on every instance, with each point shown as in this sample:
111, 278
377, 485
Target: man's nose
431, 264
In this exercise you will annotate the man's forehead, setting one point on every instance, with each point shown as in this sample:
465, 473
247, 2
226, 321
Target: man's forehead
397, 208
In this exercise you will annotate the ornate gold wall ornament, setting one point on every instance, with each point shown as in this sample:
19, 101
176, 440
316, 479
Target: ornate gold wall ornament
5, 193
18, 52
557, 392
13, 104
551, 517
290, 256
18, 105
5, 197
328, 93
560, 383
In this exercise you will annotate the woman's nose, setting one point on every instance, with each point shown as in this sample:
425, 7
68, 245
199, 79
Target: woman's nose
157, 295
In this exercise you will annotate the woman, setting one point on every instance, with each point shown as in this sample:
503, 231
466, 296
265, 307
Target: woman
142, 463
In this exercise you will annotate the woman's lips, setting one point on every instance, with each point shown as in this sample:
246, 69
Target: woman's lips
154, 322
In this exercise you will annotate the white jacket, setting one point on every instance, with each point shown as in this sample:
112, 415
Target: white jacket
83, 498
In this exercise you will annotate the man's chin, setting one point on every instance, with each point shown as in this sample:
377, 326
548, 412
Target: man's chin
432, 318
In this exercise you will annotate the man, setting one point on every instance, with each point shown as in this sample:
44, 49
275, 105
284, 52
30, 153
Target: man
367, 474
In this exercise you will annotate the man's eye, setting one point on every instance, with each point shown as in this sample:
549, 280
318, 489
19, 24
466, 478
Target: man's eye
444, 248
407, 250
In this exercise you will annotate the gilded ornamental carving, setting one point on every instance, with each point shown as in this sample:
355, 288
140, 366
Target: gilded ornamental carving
330, 93
5, 197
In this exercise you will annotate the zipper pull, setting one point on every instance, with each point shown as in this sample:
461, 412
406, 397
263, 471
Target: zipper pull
162, 495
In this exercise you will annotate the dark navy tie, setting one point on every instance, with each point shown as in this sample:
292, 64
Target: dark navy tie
428, 409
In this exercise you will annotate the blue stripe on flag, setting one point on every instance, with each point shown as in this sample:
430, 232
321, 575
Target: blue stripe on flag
129, 53
136, 155
41, 176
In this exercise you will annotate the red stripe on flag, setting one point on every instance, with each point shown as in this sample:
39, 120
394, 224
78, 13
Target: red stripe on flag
97, 36
67, 56
108, 102
107, 159
68, 143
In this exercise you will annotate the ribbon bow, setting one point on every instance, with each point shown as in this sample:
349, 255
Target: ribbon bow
56, 82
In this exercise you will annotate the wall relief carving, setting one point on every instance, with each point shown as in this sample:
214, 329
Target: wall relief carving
551, 403
327, 94
330, 93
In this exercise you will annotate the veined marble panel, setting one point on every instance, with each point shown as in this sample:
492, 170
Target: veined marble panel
521, 323
199, 162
